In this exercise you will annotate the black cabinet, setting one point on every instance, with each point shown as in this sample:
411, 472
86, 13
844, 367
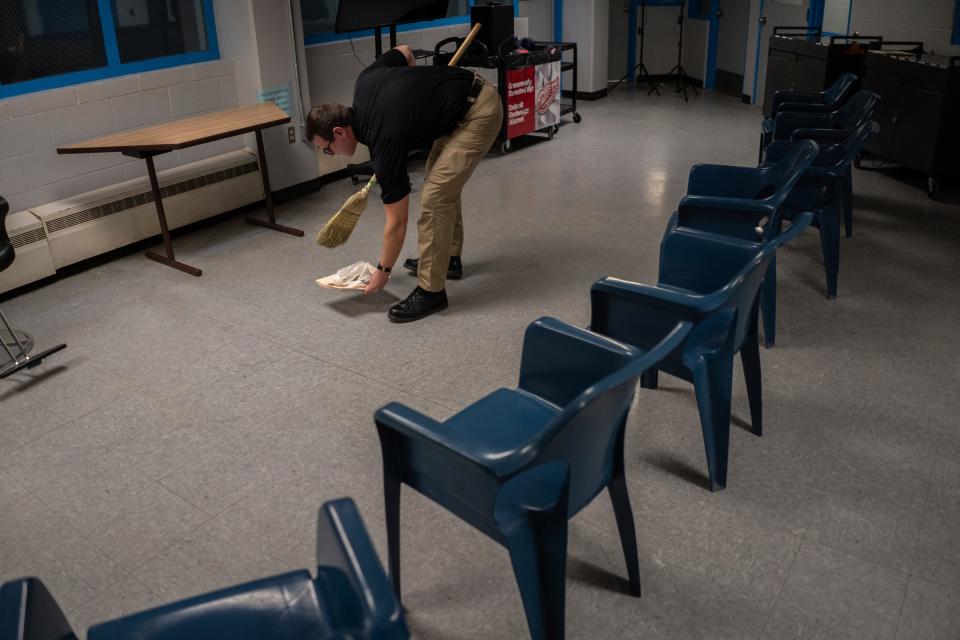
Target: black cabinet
801, 62
919, 112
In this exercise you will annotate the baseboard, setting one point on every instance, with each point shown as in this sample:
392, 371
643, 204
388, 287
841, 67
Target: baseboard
586, 95
669, 77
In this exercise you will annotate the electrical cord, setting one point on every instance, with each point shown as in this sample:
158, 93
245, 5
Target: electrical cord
350, 37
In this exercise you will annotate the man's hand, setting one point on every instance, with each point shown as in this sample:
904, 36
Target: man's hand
378, 280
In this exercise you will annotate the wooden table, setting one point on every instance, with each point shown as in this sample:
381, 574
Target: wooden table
157, 139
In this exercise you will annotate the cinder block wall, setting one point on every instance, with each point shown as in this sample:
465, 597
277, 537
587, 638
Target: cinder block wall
927, 21
32, 126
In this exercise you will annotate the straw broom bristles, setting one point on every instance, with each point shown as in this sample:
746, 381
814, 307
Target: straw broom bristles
340, 226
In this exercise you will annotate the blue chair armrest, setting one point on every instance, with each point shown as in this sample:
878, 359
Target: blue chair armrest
426, 431
344, 545
682, 304
29, 612
821, 136
722, 180
638, 314
807, 107
736, 217
787, 122
559, 360
784, 96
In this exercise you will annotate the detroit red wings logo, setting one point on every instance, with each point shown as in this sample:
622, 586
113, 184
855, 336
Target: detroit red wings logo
547, 95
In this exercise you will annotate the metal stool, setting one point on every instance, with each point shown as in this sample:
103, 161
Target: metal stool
22, 342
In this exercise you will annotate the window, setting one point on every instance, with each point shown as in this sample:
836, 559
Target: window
150, 29
320, 16
836, 17
46, 39
956, 24
46, 44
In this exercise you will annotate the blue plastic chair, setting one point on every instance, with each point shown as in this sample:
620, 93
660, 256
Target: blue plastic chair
349, 598
712, 281
519, 463
744, 202
854, 112
828, 101
822, 191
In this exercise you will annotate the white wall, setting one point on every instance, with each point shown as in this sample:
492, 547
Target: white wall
927, 21
732, 43
661, 38
257, 52
587, 22
617, 27
540, 15
33, 125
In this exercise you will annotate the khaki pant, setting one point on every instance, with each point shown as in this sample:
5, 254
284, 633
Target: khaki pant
451, 163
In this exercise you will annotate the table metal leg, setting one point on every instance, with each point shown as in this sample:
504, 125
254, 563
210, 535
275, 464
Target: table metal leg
271, 222
169, 258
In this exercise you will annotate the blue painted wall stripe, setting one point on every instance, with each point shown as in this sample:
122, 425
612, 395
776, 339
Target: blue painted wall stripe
558, 20
105, 9
756, 62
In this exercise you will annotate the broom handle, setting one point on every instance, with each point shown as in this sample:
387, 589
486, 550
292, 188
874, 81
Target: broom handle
462, 49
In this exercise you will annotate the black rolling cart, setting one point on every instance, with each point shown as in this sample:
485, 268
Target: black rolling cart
800, 60
918, 112
529, 84
569, 104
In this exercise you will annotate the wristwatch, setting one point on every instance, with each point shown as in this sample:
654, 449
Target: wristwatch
380, 267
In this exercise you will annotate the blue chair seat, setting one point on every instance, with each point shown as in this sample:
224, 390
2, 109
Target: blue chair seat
494, 425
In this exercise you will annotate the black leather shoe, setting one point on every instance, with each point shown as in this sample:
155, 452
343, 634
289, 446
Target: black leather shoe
454, 269
418, 304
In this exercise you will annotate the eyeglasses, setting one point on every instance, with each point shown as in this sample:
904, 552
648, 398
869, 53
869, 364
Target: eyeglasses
327, 150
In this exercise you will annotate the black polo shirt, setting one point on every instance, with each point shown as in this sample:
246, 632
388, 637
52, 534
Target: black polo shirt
398, 108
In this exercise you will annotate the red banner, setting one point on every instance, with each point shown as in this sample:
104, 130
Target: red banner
521, 89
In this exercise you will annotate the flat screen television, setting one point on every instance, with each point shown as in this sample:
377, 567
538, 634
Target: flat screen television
355, 15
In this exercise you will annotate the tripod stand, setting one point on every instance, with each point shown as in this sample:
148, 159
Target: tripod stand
683, 80
653, 85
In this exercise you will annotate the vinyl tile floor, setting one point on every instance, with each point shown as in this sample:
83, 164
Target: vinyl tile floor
187, 436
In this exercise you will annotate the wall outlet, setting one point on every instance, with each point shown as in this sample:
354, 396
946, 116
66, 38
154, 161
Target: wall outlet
291, 135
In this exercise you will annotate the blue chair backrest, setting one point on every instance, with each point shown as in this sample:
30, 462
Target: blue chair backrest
350, 576
586, 431
726, 271
839, 156
857, 110
840, 86
783, 175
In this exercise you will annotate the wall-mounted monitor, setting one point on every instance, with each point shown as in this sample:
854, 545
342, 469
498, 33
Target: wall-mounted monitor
356, 15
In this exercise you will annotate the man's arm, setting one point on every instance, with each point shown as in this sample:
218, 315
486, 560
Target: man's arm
407, 53
394, 232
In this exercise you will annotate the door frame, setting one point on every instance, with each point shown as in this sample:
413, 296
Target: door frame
814, 21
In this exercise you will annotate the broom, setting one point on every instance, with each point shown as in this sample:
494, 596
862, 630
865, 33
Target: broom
338, 229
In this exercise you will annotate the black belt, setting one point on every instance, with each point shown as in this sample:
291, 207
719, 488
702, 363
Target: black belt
474, 91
